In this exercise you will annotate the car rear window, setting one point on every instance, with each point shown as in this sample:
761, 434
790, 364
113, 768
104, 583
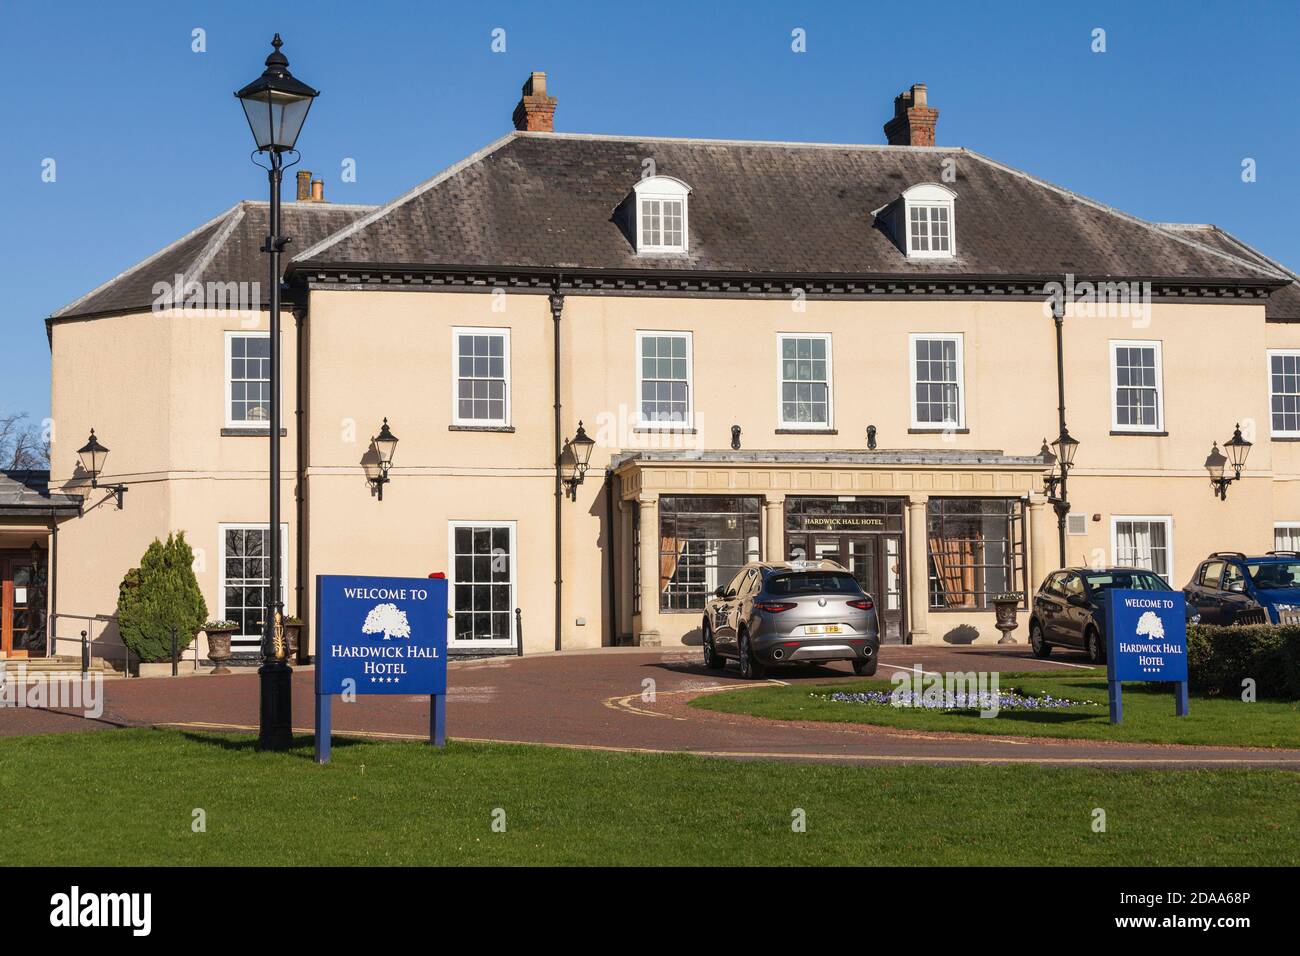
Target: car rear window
1275, 575
812, 582
1127, 580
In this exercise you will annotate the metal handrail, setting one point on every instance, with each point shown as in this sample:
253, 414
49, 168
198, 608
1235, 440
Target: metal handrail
84, 641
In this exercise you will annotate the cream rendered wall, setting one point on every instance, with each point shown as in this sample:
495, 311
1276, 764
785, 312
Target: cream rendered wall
376, 354
153, 387
382, 353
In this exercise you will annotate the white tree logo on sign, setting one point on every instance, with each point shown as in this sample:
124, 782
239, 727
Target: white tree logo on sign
1150, 625
387, 619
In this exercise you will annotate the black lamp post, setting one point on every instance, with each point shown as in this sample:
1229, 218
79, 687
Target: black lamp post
574, 461
1238, 449
377, 465
92, 455
275, 105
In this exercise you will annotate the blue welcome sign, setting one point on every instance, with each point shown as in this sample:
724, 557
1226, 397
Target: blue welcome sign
380, 636
1146, 640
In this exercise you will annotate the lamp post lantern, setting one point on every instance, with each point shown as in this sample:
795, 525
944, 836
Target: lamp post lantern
275, 105
1238, 449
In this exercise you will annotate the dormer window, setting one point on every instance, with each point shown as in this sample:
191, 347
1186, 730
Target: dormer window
662, 223
928, 222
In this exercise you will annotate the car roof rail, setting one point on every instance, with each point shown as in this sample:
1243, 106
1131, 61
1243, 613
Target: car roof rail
1228, 554
1294, 554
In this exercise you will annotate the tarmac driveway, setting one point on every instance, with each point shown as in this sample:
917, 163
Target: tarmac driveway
597, 700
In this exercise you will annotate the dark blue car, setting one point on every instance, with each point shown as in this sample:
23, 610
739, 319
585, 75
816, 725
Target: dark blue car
1070, 607
1231, 588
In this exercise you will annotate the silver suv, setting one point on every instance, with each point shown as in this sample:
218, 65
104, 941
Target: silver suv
797, 612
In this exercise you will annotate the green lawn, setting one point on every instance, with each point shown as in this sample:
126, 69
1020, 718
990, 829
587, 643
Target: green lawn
127, 797
1148, 712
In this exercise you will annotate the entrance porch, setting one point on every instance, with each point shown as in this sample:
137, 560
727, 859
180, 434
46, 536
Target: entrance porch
934, 536
29, 519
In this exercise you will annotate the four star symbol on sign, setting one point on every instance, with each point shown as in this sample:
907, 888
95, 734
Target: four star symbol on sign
385, 680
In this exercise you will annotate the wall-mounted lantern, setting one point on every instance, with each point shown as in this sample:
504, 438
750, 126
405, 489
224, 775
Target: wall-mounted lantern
380, 459
574, 461
1238, 449
92, 455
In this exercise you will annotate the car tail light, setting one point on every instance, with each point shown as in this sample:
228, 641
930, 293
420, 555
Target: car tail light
862, 605
774, 607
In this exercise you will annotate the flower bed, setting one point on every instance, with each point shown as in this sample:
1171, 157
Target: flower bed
1008, 699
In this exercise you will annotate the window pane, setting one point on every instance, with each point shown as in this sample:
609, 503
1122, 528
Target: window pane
704, 541
249, 375
976, 550
665, 372
805, 371
481, 378
937, 394
482, 583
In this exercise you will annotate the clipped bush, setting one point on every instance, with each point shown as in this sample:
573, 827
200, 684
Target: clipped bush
161, 594
1220, 658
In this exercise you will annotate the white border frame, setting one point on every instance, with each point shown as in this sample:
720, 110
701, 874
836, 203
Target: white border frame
1268, 385
929, 196
1168, 521
456, 332
452, 525
830, 382
1158, 345
662, 188
231, 335
638, 421
240, 641
960, 339
1284, 524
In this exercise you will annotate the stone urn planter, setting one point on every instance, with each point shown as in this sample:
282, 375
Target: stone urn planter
1005, 607
293, 627
219, 646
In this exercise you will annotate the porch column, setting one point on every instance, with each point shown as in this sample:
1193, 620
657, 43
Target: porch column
648, 559
1042, 549
918, 569
774, 528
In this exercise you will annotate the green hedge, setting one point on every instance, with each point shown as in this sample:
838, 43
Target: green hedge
1220, 658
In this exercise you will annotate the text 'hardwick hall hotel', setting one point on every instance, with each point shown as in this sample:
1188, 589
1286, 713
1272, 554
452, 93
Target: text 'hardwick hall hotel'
779, 349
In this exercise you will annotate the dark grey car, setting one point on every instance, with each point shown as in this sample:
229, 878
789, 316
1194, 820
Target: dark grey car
798, 612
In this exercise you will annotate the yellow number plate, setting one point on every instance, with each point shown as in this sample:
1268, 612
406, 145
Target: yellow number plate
822, 629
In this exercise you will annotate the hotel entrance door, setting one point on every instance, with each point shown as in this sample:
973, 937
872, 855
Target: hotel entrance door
865, 535
19, 582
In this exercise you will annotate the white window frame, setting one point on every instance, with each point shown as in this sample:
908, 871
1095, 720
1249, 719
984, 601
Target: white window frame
456, 333
1166, 520
661, 189
1268, 380
225, 415
1291, 527
243, 641
960, 339
452, 525
830, 382
1158, 346
929, 196
641, 335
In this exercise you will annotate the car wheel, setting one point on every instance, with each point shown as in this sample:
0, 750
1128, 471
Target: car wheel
712, 659
1040, 647
750, 669
865, 668
1092, 643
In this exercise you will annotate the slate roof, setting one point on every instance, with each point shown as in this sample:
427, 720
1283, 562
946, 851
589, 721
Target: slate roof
27, 493
226, 248
549, 200
1283, 304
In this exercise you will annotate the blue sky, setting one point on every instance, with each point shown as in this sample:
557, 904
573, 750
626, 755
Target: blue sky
149, 142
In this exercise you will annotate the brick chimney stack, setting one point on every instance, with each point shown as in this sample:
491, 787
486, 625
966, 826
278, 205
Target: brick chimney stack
536, 110
913, 122
309, 190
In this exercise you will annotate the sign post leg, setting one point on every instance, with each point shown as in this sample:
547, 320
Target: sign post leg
1181, 708
438, 720
323, 708
1116, 702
